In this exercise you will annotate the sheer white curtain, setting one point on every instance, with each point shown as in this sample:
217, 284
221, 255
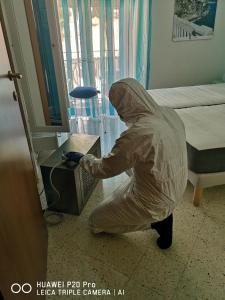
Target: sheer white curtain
103, 41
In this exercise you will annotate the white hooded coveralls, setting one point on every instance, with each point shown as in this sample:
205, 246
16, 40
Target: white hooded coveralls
154, 147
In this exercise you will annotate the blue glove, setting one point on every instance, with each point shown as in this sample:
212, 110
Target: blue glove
74, 156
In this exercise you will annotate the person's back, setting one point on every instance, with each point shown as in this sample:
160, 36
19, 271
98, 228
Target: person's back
159, 175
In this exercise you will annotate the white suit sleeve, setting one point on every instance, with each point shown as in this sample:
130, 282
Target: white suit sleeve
121, 158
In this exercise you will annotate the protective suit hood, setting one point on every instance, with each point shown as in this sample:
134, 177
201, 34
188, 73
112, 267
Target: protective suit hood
131, 100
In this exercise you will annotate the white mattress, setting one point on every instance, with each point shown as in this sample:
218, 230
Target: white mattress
190, 96
204, 126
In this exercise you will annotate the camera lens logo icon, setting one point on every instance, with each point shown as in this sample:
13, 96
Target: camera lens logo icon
16, 288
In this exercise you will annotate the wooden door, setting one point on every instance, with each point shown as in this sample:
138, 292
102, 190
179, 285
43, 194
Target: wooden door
23, 235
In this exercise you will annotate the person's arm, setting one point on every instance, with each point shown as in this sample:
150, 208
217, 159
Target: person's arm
121, 158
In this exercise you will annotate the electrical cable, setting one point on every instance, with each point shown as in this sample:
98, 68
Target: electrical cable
50, 177
41, 192
49, 214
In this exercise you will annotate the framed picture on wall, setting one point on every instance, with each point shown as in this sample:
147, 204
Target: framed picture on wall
194, 19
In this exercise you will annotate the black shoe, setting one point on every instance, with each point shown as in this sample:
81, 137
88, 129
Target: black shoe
165, 231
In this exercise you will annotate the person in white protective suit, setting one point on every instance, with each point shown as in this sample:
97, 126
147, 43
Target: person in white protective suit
154, 148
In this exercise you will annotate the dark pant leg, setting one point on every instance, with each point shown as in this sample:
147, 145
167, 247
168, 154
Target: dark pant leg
165, 231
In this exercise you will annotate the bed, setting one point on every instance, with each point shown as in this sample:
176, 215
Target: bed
202, 109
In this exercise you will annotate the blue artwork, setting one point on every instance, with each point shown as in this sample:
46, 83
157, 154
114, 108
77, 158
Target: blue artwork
194, 19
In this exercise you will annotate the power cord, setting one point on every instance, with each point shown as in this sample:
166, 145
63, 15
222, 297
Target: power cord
50, 177
53, 218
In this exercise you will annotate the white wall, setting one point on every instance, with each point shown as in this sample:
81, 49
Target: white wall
188, 62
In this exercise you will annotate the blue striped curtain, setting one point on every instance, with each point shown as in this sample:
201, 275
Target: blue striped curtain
104, 41
43, 35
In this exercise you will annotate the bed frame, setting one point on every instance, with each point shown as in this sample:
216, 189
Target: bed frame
201, 181
194, 96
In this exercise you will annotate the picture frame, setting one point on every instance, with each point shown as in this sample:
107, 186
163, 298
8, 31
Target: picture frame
194, 19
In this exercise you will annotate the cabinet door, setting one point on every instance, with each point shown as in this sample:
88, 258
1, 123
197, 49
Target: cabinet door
35, 41
23, 235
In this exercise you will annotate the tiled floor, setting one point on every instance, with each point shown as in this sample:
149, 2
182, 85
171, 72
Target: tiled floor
194, 267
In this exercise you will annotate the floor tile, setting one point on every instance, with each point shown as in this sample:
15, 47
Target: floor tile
203, 279
135, 290
159, 273
70, 264
118, 251
215, 208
